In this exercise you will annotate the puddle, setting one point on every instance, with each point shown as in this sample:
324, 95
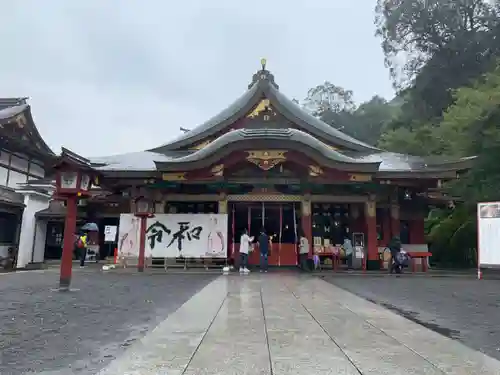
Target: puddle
413, 316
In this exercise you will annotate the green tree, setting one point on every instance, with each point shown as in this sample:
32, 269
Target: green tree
414, 31
328, 97
470, 127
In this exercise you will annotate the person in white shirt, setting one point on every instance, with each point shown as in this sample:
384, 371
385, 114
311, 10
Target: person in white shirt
349, 251
303, 252
245, 244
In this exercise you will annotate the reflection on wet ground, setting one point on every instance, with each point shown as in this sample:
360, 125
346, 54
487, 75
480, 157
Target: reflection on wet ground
413, 316
462, 308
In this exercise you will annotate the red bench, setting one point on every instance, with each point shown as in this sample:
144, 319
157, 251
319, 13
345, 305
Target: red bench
424, 256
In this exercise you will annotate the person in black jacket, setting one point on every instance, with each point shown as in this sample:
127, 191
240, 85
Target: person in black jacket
395, 248
264, 250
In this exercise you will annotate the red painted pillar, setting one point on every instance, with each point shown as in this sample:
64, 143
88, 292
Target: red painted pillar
417, 231
306, 224
387, 228
371, 235
395, 222
142, 244
69, 243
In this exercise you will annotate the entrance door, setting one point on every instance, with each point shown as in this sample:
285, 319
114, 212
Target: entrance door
280, 223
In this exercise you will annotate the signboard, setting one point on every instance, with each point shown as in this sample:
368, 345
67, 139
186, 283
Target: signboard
175, 235
110, 232
488, 225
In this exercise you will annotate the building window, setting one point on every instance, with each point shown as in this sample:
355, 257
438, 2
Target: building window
330, 222
16, 178
4, 174
19, 163
8, 228
36, 170
4, 158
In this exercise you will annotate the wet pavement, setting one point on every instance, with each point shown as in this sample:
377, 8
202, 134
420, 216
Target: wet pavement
277, 323
463, 309
52, 333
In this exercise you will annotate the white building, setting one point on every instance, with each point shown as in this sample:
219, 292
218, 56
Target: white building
24, 158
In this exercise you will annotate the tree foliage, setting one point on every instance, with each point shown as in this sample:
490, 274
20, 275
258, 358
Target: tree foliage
328, 97
444, 59
415, 31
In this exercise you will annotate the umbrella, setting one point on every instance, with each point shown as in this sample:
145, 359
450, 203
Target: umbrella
91, 227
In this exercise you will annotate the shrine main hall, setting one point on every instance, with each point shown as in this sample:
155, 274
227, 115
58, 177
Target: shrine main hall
267, 163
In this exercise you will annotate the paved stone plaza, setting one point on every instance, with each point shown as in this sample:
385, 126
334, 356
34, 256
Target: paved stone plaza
275, 323
53, 333
287, 324
463, 308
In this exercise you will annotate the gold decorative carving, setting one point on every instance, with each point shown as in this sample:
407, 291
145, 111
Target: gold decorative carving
178, 176
265, 190
200, 145
264, 198
218, 170
370, 209
315, 171
358, 177
223, 207
263, 105
306, 207
20, 121
333, 148
266, 159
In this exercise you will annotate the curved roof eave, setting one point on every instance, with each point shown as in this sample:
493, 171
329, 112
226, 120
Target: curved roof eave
11, 112
294, 112
292, 135
229, 115
247, 101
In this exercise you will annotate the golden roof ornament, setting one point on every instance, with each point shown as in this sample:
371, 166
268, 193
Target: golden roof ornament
263, 62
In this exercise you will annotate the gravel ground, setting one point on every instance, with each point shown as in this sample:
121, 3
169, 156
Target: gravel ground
47, 332
464, 309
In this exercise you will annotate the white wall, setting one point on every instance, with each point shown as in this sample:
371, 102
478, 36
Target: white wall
28, 243
4, 172
16, 178
22, 165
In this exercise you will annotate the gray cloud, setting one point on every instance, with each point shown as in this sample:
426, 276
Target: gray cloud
129, 73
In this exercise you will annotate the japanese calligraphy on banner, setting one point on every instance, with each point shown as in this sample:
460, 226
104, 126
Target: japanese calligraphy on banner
488, 225
176, 235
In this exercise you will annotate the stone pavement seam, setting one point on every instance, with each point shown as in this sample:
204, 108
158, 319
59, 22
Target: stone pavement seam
324, 330
205, 334
266, 332
171, 345
383, 332
471, 361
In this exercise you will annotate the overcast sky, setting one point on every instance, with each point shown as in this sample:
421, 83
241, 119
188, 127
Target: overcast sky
127, 74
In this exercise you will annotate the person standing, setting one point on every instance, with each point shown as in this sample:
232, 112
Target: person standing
264, 250
81, 245
303, 252
395, 248
349, 251
245, 243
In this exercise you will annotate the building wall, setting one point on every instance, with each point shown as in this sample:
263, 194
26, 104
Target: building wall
17, 168
33, 232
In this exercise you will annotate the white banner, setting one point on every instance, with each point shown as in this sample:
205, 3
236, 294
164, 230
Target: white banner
488, 224
110, 232
175, 235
